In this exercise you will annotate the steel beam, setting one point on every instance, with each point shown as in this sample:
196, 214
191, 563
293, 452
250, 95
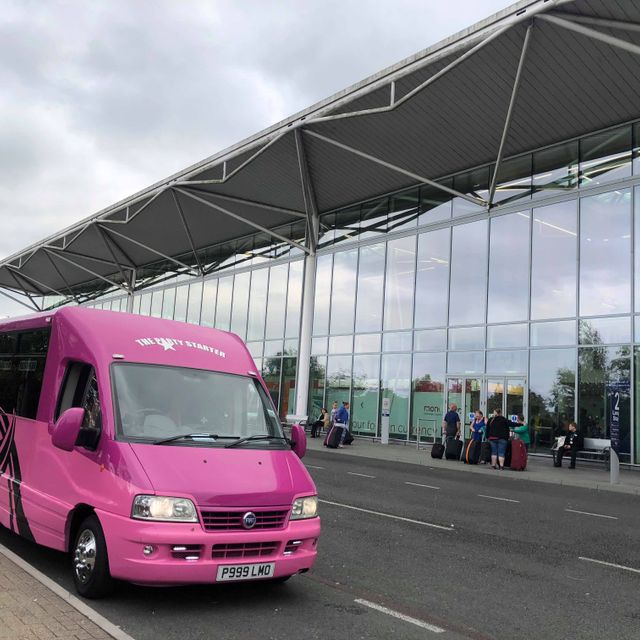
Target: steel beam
24, 304
66, 284
108, 241
308, 194
607, 23
18, 274
187, 231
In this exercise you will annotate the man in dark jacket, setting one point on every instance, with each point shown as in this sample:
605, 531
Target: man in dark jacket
498, 431
573, 442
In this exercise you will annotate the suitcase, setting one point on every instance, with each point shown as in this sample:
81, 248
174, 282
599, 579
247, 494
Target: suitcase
437, 451
453, 450
333, 439
485, 452
472, 452
348, 438
518, 455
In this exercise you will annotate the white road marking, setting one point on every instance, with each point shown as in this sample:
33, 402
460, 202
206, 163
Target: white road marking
388, 515
362, 475
496, 498
595, 515
400, 616
426, 486
610, 564
311, 466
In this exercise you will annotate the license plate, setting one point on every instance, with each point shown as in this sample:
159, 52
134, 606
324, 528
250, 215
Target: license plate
230, 572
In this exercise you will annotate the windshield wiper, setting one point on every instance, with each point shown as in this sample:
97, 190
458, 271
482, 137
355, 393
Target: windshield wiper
185, 436
258, 436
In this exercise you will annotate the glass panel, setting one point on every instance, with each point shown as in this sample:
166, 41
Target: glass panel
288, 389
636, 155
466, 338
605, 253
555, 169
396, 341
396, 385
345, 266
467, 298
605, 156
145, 304
455, 395
552, 375
291, 347
338, 380
323, 295
403, 210
473, 183
636, 255
367, 343
495, 395
509, 268
182, 297
273, 348
515, 399
514, 180
398, 302
277, 301
507, 361
366, 382
507, 335
195, 303
466, 362
636, 458
257, 304
255, 349
552, 334
316, 385
271, 369
435, 204
370, 288
240, 307
636, 330
223, 308
605, 330
341, 344
294, 299
209, 303
319, 346
433, 340
553, 269
373, 218
432, 278
156, 304
603, 372
428, 396
168, 303
136, 304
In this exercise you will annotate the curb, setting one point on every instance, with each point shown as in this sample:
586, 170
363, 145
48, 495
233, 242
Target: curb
91, 614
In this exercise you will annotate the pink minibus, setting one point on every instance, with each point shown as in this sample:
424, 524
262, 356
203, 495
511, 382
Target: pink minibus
149, 450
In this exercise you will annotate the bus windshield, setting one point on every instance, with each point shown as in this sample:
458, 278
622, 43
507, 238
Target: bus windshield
177, 405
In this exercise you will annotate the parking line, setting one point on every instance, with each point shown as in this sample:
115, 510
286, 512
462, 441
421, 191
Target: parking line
497, 498
388, 515
311, 466
595, 515
362, 475
426, 486
610, 564
400, 616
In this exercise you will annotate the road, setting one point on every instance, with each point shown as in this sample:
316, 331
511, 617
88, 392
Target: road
412, 552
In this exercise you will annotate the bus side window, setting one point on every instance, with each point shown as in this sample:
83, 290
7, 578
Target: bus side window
80, 389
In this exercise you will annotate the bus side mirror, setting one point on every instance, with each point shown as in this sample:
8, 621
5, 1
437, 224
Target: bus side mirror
298, 440
67, 428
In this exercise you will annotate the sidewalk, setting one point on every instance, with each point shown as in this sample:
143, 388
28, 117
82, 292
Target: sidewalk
539, 469
33, 607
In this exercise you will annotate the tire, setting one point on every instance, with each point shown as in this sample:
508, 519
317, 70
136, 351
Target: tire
89, 560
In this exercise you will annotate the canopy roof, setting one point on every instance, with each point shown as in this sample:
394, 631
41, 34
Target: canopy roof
536, 73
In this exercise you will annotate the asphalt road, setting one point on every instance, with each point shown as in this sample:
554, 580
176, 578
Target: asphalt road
475, 556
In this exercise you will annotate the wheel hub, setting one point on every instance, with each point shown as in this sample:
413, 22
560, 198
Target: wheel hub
84, 557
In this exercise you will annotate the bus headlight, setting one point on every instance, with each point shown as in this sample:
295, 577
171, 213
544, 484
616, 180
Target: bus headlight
164, 508
304, 508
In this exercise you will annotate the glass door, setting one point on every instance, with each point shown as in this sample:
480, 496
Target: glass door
466, 394
507, 394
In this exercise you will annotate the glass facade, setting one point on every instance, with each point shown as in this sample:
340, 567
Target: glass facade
423, 299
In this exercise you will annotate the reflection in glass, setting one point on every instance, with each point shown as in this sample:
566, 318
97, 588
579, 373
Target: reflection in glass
223, 307
373, 218
365, 385
473, 183
428, 395
319, 346
136, 304
273, 348
277, 301
435, 204
466, 338
403, 210
509, 268
466, 362
507, 335
182, 297
605, 330
338, 380
432, 278
156, 304
553, 334
398, 302
367, 343
323, 295
636, 255
288, 387
507, 362
294, 299
341, 344
604, 379
291, 347
257, 304
240, 307
467, 300
168, 303
553, 264
636, 151
255, 349
430, 340
195, 302
605, 253
316, 385
605, 156
370, 288
555, 169
145, 304
209, 303
495, 394
271, 370
637, 404
396, 386
514, 180
397, 341
345, 266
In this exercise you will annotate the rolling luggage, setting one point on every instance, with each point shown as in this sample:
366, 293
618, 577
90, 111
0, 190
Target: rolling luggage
518, 455
472, 452
453, 450
348, 439
485, 452
334, 436
437, 451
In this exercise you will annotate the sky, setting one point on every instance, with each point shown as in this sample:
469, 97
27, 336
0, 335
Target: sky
101, 99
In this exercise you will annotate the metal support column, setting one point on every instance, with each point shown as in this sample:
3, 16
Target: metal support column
131, 292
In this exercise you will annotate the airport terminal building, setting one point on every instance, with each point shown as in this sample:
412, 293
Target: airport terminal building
461, 227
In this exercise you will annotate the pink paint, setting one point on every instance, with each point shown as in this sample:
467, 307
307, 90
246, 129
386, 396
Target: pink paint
259, 477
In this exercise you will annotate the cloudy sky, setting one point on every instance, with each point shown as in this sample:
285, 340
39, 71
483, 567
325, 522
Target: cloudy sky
100, 99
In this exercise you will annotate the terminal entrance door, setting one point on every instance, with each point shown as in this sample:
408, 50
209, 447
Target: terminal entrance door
466, 394
507, 394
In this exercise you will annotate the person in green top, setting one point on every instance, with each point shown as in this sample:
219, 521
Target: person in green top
522, 431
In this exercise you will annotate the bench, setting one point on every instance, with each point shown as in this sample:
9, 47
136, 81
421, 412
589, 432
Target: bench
592, 448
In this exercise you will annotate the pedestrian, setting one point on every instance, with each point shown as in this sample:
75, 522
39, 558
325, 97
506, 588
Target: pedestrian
522, 432
451, 424
334, 410
498, 431
477, 426
342, 420
321, 422
573, 442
